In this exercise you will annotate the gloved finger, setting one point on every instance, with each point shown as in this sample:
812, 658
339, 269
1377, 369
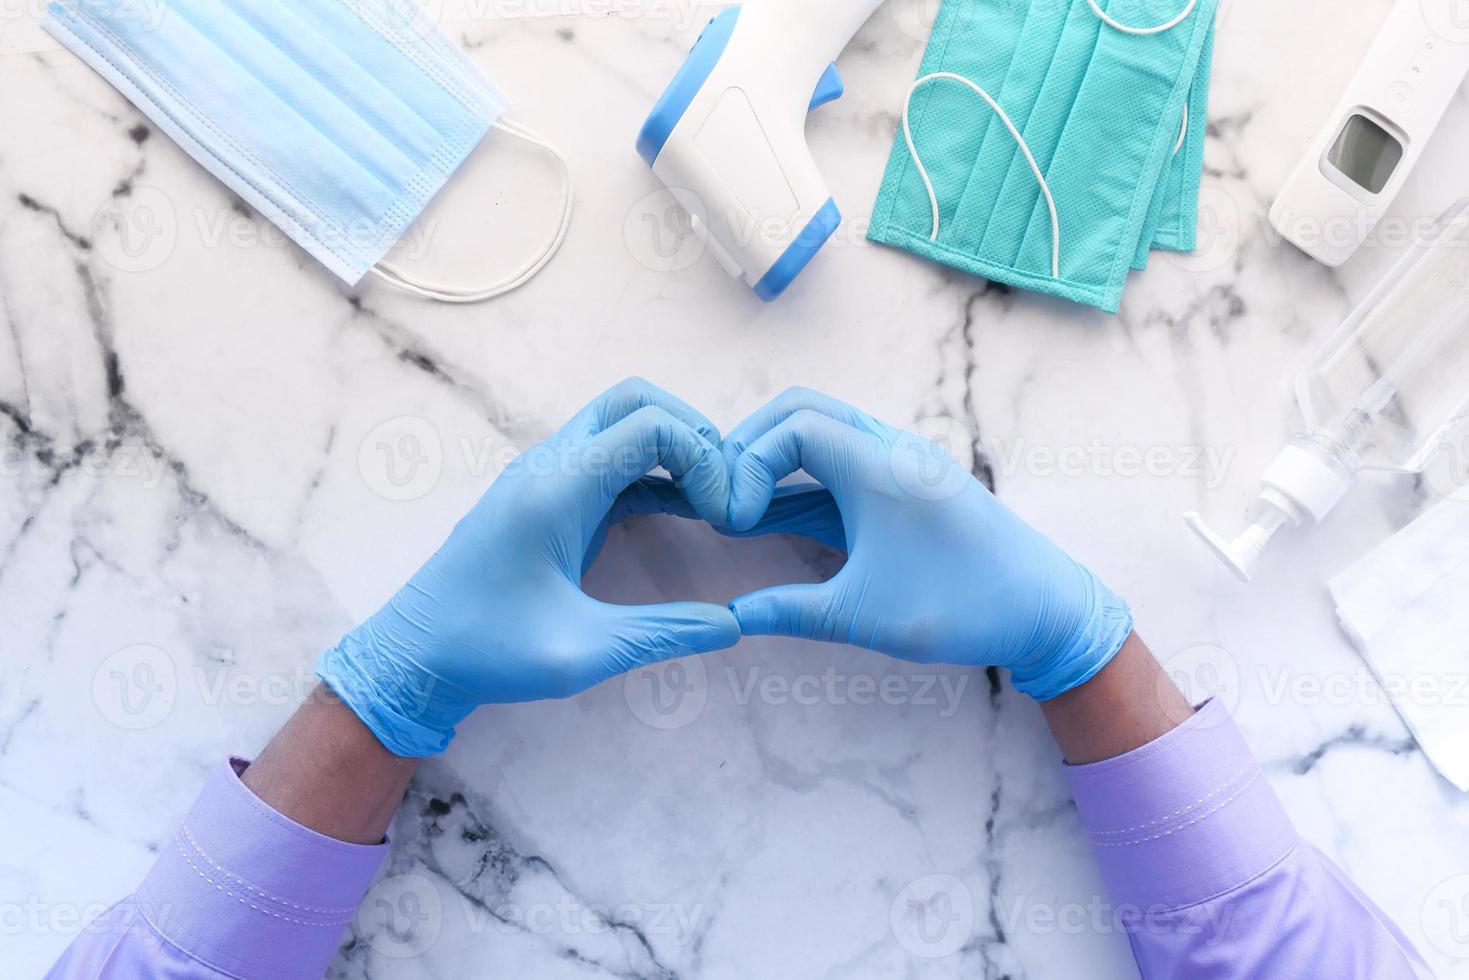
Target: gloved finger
788, 403
657, 495
625, 398
807, 509
642, 635
787, 610
648, 438
649, 495
653, 495
827, 449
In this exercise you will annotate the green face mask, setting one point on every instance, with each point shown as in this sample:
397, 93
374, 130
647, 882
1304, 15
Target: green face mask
1049, 144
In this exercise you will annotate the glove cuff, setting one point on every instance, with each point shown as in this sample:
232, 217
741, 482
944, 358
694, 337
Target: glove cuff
1095, 644
402, 715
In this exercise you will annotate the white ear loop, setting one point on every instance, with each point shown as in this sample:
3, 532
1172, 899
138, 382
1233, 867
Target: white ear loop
1019, 141
1182, 130
395, 276
1158, 29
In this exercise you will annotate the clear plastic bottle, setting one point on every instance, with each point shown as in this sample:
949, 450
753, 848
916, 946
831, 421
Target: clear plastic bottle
1384, 392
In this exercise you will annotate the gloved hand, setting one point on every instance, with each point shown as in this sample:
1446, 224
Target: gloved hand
938, 570
498, 614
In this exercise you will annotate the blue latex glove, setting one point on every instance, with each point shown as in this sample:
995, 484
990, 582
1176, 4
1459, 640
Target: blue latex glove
806, 509
938, 570
497, 614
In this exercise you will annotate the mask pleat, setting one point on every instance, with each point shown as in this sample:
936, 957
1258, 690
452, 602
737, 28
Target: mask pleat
1019, 195
1161, 198
408, 26
293, 98
998, 152
379, 114
1101, 174
1176, 225
1167, 201
418, 70
405, 81
945, 116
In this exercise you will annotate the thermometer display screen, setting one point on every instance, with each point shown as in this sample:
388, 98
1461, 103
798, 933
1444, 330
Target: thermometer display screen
1365, 153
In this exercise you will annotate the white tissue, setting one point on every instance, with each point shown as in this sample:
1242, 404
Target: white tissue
1406, 608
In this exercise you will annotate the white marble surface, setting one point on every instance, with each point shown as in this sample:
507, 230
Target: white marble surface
195, 484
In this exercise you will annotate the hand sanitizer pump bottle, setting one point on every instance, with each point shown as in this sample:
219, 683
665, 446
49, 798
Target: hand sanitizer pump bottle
1384, 392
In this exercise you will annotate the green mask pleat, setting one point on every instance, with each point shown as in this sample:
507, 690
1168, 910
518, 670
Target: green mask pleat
1019, 89
1176, 228
1018, 191
1107, 141
946, 113
1100, 111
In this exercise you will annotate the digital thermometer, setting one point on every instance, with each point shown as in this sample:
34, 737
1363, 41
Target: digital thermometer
1357, 163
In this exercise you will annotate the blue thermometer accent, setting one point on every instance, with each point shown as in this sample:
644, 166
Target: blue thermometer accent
799, 252
674, 101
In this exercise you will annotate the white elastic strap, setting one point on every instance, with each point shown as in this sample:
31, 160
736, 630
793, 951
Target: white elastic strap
1182, 129
395, 276
1019, 141
1158, 29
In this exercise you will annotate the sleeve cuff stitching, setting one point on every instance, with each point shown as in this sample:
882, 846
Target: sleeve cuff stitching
335, 924
236, 881
1222, 787
1202, 816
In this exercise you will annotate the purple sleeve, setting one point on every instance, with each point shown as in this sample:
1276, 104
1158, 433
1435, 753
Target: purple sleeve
1208, 876
240, 891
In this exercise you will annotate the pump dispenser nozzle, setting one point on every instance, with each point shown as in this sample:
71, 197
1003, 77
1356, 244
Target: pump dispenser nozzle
1300, 487
1240, 554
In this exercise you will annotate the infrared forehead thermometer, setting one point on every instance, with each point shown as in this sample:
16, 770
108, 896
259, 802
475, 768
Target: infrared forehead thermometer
1357, 164
728, 135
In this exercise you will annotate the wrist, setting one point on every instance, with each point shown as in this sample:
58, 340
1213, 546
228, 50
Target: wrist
1089, 648
1125, 705
395, 702
328, 772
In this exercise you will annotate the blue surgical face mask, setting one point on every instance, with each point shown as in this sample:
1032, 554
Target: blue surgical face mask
336, 119
1045, 145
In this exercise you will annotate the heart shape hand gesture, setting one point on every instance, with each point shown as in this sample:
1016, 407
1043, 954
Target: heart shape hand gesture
937, 571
